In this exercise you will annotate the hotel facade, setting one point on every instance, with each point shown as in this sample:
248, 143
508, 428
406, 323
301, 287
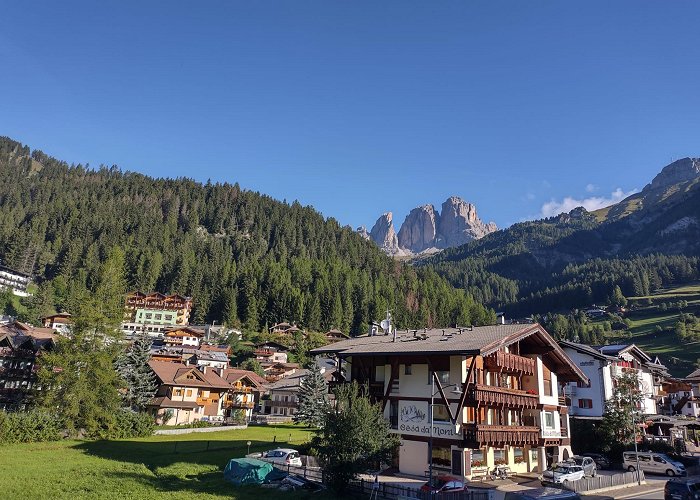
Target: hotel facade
494, 393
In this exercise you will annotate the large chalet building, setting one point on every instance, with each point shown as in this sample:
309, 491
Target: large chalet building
155, 312
20, 347
602, 365
494, 391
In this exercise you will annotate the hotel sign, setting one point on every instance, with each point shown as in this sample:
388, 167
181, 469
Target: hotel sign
414, 419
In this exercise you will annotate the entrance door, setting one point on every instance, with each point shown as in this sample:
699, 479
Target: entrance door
457, 468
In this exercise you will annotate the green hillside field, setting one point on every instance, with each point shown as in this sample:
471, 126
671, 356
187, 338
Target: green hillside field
174, 467
647, 315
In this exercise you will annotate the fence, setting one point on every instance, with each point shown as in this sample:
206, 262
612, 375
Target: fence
395, 491
604, 482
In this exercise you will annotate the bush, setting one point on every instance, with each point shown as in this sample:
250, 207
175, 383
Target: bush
30, 426
129, 424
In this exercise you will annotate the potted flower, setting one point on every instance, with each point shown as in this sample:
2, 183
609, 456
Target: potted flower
477, 463
519, 460
500, 461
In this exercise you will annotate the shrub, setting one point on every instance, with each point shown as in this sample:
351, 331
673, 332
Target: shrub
128, 424
30, 426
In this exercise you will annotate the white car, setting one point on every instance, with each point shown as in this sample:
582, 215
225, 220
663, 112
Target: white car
562, 474
284, 456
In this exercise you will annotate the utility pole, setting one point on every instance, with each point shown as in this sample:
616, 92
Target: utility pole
430, 439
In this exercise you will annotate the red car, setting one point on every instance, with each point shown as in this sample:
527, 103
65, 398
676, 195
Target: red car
444, 483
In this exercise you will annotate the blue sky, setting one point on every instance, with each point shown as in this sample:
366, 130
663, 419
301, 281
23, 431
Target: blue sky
361, 107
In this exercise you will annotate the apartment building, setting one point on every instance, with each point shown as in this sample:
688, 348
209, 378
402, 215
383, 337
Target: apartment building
602, 365
490, 392
61, 322
14, 280
155, 312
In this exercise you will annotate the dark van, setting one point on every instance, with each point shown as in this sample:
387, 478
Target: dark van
682, 489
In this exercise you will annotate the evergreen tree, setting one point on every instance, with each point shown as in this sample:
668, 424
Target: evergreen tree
354, 436
253, 365
619, 418
141, 383
313, 398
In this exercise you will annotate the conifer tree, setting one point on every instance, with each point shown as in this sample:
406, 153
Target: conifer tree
313, 398
132, 366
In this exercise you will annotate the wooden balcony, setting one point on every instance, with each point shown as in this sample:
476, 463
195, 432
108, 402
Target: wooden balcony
241, 389
501, 396
510, 363
498, 435
239, 404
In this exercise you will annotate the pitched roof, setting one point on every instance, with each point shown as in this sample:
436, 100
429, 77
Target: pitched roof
586, 349
170, 373
232, 375
481, 340
180, 331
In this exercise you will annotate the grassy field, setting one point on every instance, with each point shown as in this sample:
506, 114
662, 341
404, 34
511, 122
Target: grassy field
169, 467
680, 357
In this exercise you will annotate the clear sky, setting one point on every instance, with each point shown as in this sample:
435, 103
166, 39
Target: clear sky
361, 107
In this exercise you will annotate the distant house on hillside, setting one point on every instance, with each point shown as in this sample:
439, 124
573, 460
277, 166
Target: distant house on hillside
334, 334
14, 280
284, 394
183, 336
60, 322
284, 328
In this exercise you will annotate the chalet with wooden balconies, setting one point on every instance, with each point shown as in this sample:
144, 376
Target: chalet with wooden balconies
490, 392
244, 395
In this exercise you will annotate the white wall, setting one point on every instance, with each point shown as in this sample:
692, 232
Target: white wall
413, 457
596, 371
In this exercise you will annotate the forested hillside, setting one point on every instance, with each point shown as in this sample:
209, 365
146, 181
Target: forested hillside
649, 240
244, 257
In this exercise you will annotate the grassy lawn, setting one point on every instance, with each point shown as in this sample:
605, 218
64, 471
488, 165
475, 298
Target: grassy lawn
173, 467
680, 357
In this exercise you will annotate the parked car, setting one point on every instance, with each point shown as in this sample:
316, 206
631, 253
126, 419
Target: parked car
444, 484
586, 463
601, 461
682, 489
542, 494
284, 456
657, 463
562, 474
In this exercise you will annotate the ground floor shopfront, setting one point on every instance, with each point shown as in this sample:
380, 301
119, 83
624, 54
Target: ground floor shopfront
451, 457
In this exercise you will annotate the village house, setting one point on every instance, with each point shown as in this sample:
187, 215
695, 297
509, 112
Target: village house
60, 322
15, 281
244, 396
334, 335
601, 366
490, 393
187, 393
284, 328
183, 336
277, 371
271, 352
213, 359
682, 398
154, 313
283, 398
20, 347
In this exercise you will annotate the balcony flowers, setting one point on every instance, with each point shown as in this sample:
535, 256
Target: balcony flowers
519, 460
530, 391
500, 461
477, 463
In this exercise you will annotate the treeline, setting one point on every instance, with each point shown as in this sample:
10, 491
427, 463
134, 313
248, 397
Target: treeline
245, 258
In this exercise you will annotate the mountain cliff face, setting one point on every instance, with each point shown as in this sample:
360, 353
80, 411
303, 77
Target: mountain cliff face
426, 231
684, 170
384, 234
419, 231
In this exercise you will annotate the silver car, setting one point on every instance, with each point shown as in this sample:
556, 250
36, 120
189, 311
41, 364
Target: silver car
284, 456
590, 468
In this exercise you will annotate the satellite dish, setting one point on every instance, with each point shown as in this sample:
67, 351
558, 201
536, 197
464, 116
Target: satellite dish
385, 324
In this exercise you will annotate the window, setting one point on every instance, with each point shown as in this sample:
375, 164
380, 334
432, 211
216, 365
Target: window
478, 458
188, 392
499, 457
159, 316
442, 457
549, 419
533, 456
518, 455
168, 317
690, 405
585, 403
440, 413
394, 414
406, 369
583, 384
178, 392
547, 380
149, 315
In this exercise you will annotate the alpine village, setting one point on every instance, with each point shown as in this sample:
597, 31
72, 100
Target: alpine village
177, 323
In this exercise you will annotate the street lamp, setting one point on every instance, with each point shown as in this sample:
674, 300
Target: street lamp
430, 438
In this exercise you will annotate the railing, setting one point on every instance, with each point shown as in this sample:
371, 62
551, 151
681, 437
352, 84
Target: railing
241, 389
511, 362
501, 396
502, 434
284, 404
601, 482
239, 404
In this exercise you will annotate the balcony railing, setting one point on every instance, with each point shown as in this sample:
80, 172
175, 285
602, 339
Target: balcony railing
239, 404
284, 404
502, 396
514, 435
241, 389
511, 363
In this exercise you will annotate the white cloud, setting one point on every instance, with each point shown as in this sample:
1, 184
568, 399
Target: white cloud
555, 207
591, 187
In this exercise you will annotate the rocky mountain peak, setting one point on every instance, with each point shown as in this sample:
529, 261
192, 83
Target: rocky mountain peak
362, 231
384, 234
683, 170
425, 230
459, 223
419, 230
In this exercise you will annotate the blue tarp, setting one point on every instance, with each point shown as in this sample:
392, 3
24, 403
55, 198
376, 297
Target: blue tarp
251, 471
